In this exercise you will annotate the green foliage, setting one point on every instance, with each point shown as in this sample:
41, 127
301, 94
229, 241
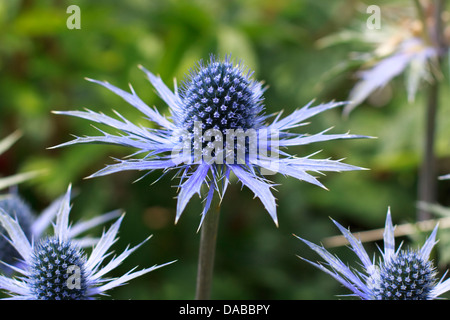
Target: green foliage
43, 65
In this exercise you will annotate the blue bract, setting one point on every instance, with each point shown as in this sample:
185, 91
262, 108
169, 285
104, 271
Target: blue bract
16, 207
217, 127
401, 274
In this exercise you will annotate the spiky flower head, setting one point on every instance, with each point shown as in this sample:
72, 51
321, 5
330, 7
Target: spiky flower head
217, 127
35, 224
402, 274
405, 277
57, 268
221, 96
58, 271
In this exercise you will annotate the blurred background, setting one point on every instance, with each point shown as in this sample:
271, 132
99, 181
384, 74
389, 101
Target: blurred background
42, 68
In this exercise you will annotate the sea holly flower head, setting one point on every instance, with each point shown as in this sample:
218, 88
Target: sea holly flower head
35, 225
402, 274
217, 127
57, 268
221, 96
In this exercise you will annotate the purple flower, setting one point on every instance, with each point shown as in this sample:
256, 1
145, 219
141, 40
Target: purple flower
56, 267
401, 274
217, 127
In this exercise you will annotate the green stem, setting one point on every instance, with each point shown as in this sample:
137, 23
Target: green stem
208, 240
427, 176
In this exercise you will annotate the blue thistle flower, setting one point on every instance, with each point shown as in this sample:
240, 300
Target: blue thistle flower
402, 274
57, 268
34, 225
217, 127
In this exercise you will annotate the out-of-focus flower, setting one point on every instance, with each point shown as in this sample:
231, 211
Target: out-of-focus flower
56, 268
411, 55
402, 45
217, 127
402, 274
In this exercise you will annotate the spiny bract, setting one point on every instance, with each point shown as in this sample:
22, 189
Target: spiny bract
17, 208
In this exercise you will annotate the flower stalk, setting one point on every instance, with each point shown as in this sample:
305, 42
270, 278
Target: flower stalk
427, 174
207, 249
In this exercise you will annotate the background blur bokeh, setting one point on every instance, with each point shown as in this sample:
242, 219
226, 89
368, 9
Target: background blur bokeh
42, 68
